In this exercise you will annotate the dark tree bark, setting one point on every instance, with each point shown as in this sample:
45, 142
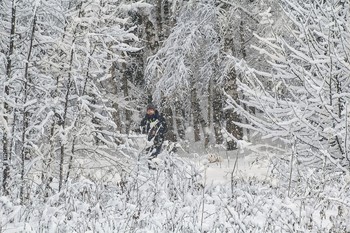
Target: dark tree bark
64, 118
230, 115
180, 121
217, 114
26, 114
198, 120
6, 111
114, 86
125, 88
244, 56
167, 18
195, 109
169, 117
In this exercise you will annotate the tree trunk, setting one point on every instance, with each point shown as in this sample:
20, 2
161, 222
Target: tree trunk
125, 88
198, 120
231, 89
179, 118
150, 37
70, 163
159, 20
217, 114
169, 117
166, 20
195, 110
244, 56
340, 107
6, 108
230, 116
115, 106
210, 101
46, 176
25, 120
63, 123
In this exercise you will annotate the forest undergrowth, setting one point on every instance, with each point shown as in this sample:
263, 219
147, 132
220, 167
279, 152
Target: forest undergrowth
176, 198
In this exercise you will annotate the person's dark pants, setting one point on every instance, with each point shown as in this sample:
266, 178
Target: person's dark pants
155, 148
154, 151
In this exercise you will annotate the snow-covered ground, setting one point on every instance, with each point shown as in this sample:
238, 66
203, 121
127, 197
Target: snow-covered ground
220, 166
193, 190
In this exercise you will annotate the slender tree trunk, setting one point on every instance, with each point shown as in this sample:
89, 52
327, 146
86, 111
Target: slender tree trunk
6, 108
84, 92
70, 163
166, 20
115, 106
64, 118
195, 114
217, 104
151, 38
217, 114
125, 88
24, 152
159, 20
16, 114
179, 118
169, 117
210, 101
195, 109
46, 175
66, 103
231, 88
62, 147
25, 119
198, 120
244, 56
230, 115
340, 110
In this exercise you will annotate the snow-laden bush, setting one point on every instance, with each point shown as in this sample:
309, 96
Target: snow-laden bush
301, 102
176, 198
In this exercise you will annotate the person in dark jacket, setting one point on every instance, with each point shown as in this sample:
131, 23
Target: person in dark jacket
154, 125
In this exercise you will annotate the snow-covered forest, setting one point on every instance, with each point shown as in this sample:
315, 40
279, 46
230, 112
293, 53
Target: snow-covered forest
255, 94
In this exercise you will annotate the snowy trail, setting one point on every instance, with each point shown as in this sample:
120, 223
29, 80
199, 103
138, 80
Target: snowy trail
234, 164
